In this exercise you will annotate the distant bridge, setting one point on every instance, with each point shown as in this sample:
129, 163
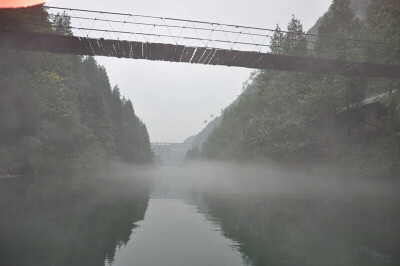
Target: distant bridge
169, 153
202, 43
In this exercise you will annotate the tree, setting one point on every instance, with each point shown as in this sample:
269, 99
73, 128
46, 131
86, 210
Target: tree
295, 41
291, 42
58, 113
277, 41
339, 25
62, 24
294, 117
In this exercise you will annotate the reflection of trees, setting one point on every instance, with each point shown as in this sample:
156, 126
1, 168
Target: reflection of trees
67, 224
288, 231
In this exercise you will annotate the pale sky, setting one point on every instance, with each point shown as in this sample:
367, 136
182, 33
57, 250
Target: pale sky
174, 99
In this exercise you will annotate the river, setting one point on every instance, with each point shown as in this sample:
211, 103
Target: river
199, 215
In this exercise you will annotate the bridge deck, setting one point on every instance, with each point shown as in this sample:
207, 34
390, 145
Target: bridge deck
31, 41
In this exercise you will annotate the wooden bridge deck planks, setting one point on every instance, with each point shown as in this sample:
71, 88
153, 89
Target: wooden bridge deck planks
45, 42
169, 53
136, 50
178, 53
214, 58
187, 54
197, 55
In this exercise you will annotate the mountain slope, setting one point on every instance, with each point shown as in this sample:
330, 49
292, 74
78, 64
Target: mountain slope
360, 10
201, 137
58, 113
292, 118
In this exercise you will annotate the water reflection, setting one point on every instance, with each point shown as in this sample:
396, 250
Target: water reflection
49, 221
296, 231
199, 216
175, 233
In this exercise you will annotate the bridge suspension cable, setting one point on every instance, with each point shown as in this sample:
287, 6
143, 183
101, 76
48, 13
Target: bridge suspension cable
91, 32
213, 23
198, 33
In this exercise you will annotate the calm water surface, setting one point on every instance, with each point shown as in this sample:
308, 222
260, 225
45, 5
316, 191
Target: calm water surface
175, 233
176, 230
183, 217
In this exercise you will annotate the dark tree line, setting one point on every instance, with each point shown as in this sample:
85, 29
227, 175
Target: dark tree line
297, 117
58, 113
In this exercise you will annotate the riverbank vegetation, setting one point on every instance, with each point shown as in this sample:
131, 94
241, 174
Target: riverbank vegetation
294, 118
58, 113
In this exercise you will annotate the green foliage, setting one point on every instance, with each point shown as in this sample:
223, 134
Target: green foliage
339, 23
276, 41
292, 42
295, 117
58, 112
384, 18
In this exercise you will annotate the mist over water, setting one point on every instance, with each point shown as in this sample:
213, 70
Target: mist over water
253, 179
300, 169
200, 214
269, 215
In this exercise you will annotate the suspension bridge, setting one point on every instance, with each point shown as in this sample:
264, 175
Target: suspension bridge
100, 33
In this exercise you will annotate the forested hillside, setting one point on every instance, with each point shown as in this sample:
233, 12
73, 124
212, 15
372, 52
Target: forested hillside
198, 140
201, 137
58, 113
296, 117
360, 11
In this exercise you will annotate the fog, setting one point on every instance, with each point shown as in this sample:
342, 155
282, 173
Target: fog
213, 212
254, 179
251, 180
290, 209
301, 169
